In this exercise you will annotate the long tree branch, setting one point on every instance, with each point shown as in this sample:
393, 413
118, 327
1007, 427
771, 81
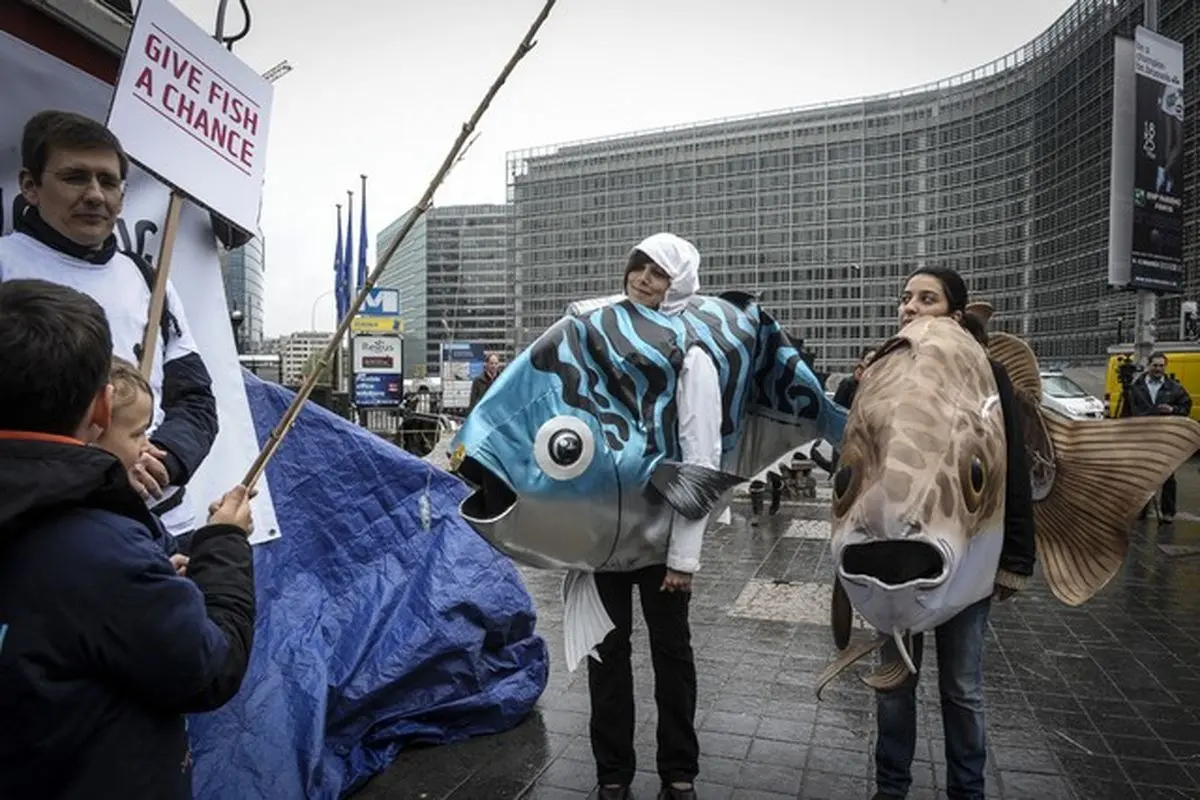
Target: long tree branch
293, 411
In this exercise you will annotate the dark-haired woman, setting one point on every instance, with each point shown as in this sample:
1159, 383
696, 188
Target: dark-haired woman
943, 293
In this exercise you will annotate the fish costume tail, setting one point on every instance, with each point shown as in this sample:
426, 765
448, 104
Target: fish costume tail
1091, 478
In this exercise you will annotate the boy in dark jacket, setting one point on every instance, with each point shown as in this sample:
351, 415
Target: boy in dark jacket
103, 647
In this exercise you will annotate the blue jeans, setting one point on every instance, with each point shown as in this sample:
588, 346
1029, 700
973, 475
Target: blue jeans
960, 682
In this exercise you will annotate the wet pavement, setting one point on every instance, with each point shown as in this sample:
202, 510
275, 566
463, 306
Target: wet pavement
1096, 702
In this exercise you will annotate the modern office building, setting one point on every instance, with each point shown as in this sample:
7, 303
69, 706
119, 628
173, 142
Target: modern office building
244, 271
295, 350
1001, 173
452, 276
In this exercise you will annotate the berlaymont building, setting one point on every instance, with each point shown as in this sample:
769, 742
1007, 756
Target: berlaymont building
1001, 173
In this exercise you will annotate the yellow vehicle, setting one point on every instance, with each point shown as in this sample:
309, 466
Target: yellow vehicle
1183, 364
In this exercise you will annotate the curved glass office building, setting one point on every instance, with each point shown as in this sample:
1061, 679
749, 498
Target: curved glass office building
244, 270
1001, 173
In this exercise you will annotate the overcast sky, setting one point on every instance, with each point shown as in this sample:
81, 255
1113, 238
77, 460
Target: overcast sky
382, 87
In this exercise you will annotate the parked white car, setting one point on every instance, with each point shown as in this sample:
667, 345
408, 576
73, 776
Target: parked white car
1061, 394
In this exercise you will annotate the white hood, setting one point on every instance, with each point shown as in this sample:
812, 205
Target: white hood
680, 259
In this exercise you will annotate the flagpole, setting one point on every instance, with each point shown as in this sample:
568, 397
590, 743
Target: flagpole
341, 300
381, 261
360, 281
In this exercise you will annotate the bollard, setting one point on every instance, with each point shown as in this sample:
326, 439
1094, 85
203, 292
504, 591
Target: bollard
757, 489
777, 484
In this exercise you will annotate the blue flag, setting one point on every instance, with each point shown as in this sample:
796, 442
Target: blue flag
348, 258
362, 240
339, 283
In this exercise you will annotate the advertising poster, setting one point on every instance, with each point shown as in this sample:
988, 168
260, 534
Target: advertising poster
378, 354
462, 363
1157, 253
378, 390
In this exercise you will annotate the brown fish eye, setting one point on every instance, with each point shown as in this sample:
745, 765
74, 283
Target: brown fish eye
977, 475
973, 476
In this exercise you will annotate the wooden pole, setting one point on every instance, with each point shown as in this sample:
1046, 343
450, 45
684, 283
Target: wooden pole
456, 151
158, 297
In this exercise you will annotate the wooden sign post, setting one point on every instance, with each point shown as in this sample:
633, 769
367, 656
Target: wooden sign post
158, 298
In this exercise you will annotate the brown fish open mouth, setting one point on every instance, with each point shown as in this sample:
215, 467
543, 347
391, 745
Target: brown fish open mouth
894, 562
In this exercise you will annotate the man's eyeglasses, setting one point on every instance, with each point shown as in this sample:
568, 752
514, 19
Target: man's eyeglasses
81, 179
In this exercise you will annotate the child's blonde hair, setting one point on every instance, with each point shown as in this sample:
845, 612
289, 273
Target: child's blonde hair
127, 383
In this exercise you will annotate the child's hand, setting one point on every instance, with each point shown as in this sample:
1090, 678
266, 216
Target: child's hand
180, 562
233, 509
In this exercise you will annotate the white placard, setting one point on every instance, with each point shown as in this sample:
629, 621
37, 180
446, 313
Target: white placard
35, 81
192, 113
378, 354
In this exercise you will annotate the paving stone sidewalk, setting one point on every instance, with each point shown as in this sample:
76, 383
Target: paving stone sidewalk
1096, 702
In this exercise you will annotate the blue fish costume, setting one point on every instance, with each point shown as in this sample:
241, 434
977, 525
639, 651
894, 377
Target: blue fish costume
574, 452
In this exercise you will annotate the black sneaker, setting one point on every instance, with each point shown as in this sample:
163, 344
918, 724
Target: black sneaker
614, 793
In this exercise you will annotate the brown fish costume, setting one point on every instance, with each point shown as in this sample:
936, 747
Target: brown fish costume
918, 510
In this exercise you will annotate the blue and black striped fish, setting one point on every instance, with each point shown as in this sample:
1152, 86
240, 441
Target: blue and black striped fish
575, 452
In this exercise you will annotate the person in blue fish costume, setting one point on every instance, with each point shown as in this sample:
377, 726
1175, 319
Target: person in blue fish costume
662, 273
606, 447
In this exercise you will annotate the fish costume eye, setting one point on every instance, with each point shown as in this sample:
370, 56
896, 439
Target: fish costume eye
974, 478
564, 448
977, 475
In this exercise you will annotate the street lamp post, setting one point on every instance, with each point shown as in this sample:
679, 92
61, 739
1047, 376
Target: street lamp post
236, 318
312, 320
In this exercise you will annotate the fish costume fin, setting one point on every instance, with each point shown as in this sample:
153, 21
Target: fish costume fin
585, 622
1019, 361
1090, 478
692, 489
1106, 472
786, 405
887, 677
851, 656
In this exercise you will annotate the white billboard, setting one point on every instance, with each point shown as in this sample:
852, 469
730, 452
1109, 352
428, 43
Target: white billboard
378, 354
192, 113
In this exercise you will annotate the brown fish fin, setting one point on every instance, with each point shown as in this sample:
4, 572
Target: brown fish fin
849, 657
1021, 365
1107, 470
887, 677
841, 615
1019, 361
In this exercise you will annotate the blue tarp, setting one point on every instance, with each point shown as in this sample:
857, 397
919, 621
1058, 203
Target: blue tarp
373, 633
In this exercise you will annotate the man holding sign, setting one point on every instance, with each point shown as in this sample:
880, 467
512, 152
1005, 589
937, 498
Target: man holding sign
72, 192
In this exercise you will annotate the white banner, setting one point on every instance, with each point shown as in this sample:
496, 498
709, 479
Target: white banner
34, 81
191, 112
378, 354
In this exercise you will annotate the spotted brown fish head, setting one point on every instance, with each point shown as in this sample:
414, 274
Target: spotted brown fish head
919, 492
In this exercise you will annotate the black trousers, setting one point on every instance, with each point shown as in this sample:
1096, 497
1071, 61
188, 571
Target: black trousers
1167, 503
1168, 497
610, 682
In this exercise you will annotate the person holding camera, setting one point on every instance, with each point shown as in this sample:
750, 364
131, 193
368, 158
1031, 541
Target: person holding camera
1154, 393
